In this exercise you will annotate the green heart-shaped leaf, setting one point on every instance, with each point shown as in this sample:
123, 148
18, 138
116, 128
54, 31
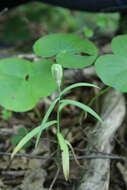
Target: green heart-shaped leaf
68, 60
112, 69
54, 44
23, 83
119, 45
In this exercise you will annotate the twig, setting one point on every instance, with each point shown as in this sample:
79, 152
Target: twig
54, 180
90, 156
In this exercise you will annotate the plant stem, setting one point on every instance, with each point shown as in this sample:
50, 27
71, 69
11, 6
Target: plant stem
58, 113
105, 90
102, 92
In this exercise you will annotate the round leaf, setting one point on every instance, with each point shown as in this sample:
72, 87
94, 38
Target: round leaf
119, 45
23, 83
54, 44
112, 69
68, 60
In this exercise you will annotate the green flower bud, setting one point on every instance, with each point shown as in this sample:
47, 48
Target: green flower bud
57, 72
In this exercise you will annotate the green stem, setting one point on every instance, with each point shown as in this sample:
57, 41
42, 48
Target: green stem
98, 95
58, 113
92, 101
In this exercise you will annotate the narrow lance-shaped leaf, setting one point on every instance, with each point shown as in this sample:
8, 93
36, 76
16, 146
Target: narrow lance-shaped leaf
81, 106
65, 155
29, 136
80, 84
45, 119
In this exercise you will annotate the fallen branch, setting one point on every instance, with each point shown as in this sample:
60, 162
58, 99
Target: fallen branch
97, 171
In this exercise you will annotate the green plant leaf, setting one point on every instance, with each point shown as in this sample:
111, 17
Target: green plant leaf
68, 60
65, 155
73, 152
30, 135
22, 131
81, 106
119, 45
6, 114
53, 44
88, 32
16, 139
23, 83
80, 84
45, 119
112, 69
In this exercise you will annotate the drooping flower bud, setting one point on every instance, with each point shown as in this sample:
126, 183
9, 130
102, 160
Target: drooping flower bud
57, 72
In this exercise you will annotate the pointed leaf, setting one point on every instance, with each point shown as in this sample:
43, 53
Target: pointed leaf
65, 155
80, 84
30, 135
45, 119
81, 106
73, 152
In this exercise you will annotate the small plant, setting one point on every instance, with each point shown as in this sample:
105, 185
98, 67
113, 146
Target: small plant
23, 83
88, 32
6, 114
